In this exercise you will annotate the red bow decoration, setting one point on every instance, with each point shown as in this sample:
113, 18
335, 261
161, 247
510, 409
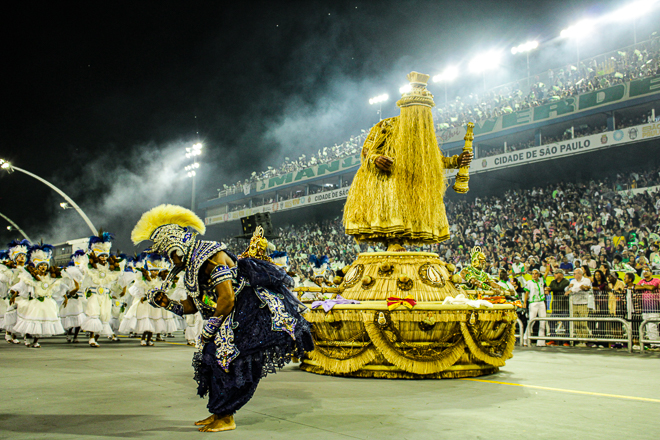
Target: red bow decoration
393, 302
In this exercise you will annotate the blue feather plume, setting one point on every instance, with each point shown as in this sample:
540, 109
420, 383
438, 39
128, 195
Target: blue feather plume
23, 242
318, 262
78, 253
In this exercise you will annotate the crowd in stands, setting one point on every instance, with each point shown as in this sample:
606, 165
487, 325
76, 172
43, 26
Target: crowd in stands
592, 74
576, 224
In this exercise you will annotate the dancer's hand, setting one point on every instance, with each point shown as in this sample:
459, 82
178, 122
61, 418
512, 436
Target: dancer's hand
464, 159
161, 299
384, 163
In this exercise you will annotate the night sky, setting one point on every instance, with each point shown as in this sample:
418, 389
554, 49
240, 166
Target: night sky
101, 98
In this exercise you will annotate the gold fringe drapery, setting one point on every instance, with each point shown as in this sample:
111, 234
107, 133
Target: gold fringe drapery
348, 365
442, 361
405, 204
496, 359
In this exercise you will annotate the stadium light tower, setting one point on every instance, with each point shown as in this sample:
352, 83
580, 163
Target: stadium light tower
10, 169
526, 48
193, 152
484, 62
447, 75
14, 226
577, 32
379, 100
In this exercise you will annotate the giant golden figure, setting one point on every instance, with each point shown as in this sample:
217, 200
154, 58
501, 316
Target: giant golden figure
397, 194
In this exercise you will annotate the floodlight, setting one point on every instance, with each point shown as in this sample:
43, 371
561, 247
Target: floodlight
633, 10
378, 99
578, 30
449, 74
485, 61
525, 47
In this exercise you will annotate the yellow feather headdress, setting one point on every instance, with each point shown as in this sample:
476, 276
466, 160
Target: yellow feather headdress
165, 215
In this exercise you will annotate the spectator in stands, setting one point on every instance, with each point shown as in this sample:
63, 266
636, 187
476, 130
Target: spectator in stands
558, 304
586, 272
620, 266
566, 265
579, 289
654, 256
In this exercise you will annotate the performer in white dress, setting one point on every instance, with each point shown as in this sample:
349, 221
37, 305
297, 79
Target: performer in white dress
40, 286
140, 317
18, 254
171, 320
126, 280
101, 280
72, 311
5, 275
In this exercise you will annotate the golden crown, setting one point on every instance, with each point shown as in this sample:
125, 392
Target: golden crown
417, 95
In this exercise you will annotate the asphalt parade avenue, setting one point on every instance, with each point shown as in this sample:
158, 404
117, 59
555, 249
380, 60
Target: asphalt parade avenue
122, 390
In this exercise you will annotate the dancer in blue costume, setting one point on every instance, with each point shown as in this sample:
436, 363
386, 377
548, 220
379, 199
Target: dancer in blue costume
252, 321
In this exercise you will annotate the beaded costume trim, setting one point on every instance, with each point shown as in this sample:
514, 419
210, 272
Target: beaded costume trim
281, 320
226, 351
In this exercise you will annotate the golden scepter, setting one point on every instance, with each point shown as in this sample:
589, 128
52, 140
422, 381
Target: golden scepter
463, 176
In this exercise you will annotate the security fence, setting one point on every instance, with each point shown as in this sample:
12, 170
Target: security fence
600, 317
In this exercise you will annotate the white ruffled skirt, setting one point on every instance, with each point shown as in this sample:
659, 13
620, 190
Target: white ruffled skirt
98, 312
171, 323
138, 319
158, 319
194, 325
73, 315
4, 305
38, 318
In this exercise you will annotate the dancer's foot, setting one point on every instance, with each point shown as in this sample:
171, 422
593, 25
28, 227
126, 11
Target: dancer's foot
150, 343
93, 343
9, 339
75, 341
207, 421
68, 338
143, 342
225, 423
35, 345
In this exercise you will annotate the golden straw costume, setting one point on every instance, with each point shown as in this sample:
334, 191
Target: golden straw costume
404, 205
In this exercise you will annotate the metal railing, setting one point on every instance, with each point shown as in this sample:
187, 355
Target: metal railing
629, 317
652, 329
590, 338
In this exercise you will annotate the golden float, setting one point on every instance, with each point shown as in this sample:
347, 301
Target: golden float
401, 328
